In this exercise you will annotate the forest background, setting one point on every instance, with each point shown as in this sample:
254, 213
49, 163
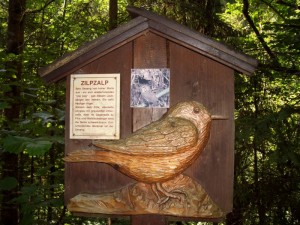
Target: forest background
33, 33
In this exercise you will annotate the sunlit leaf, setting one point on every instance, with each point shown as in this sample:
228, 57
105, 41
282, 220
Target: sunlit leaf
15, 144
50, 102
60, 114
38, 147
43, 115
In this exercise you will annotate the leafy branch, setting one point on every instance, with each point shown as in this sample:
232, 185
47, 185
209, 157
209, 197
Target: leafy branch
274, 9
256, 31
288, 4
286, 70
41, 8
276, 65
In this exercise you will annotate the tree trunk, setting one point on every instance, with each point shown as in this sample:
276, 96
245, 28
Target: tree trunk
113, 14
257, 178
14, 45
209, 17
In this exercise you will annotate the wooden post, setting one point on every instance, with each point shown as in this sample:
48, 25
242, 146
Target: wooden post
148, 220
150, 51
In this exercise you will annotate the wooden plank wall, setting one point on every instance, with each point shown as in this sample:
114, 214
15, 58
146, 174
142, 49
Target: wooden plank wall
98, 177
150, 51
193, 77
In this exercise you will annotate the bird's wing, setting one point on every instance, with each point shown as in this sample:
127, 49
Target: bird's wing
168, 135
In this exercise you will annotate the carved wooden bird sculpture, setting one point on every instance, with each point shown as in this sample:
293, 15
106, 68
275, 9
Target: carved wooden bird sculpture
159, 151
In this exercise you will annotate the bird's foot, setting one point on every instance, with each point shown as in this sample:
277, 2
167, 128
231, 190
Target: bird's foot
175, 194
167, 197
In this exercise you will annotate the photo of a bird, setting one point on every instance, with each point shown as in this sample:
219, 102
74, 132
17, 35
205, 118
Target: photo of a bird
148, 95
159, 151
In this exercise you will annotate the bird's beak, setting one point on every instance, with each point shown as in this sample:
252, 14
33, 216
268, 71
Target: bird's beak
219, 117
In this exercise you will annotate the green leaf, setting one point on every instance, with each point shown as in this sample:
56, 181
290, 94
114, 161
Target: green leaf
4, 105
43, 115
295, 158
5, 87
34, 147
57, 139
42, 171
27, 218
8, 183
49, 102
60, 114
38, 148
15, 144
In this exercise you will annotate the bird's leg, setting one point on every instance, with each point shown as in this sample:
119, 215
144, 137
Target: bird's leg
167, 194
180, 192
154, 189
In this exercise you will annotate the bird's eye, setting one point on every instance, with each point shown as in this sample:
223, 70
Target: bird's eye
196, 110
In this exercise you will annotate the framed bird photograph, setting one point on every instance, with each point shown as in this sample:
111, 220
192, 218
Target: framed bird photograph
150, 88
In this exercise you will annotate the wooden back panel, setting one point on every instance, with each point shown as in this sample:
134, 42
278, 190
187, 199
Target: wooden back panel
193, 77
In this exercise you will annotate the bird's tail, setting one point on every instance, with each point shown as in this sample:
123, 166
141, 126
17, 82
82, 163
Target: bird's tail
89, 156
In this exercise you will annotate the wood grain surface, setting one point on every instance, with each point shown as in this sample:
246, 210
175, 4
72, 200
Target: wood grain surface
193, 77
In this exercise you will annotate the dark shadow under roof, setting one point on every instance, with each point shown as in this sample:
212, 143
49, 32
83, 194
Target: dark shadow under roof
144, 22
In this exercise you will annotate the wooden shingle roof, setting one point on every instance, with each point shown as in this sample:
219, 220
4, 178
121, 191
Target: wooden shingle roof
144, 22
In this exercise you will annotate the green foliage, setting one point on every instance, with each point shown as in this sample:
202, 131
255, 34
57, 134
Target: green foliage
267, 115
37, 135
198, 15
4, 105
17, 144
8, 183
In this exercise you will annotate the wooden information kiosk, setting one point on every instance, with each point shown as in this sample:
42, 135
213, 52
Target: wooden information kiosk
201, 70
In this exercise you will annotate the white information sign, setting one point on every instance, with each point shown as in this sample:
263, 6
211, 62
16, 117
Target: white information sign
95, 106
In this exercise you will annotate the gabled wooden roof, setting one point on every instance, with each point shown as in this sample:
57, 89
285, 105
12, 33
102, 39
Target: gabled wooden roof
144, 22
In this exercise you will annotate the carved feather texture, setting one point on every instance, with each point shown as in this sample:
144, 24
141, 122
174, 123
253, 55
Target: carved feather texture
166, 136
159, 151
